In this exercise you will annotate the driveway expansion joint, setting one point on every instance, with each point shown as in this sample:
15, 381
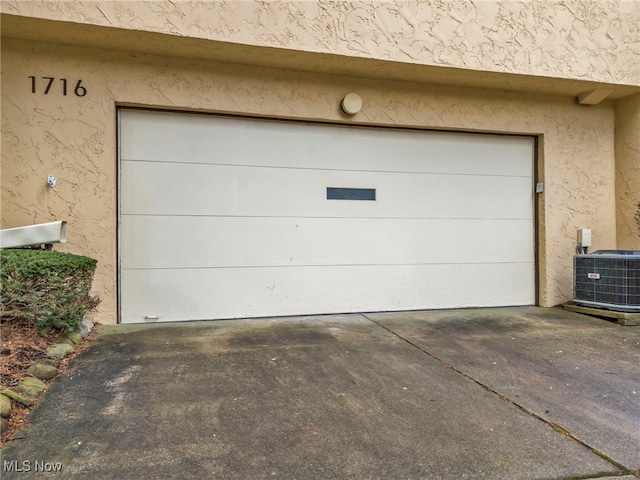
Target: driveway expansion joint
622, 470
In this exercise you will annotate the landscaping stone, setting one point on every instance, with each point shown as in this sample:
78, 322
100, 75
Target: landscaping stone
59, 350
32, 386
42, 371
4, 424
75, 337
85, 327
16, 396
68, 341
48, 361
5, 406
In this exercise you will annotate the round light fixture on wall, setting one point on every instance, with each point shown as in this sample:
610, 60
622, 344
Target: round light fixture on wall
351, 104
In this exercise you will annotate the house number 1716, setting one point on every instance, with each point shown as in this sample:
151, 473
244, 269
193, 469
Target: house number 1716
51, 84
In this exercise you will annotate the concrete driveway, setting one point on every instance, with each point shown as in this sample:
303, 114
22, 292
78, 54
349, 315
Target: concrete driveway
508, 393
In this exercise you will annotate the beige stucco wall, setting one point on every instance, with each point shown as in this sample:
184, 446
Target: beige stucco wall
74, 138
628, 172
572, 39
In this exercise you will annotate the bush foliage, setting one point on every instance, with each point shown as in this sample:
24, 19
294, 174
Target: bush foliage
46, 288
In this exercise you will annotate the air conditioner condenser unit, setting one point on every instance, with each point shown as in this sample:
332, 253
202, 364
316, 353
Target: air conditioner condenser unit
608, 279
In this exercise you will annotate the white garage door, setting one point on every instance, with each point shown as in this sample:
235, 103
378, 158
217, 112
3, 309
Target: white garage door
229, 218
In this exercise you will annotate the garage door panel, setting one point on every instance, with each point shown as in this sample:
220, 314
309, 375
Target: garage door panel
173, 189
151, 136
201, 294
246, 242
228, 218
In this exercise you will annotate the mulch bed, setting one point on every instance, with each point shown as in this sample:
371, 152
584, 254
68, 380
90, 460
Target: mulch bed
21, 345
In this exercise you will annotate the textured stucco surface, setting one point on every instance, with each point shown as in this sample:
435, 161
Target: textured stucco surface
74, 138
628, 172
576, 39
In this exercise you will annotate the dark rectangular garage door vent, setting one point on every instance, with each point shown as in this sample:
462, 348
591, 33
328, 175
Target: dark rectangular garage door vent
334, 193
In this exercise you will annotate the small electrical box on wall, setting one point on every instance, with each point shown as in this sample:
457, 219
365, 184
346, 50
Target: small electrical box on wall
584, 237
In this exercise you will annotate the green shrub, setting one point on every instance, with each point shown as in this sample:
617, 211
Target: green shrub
46, 288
